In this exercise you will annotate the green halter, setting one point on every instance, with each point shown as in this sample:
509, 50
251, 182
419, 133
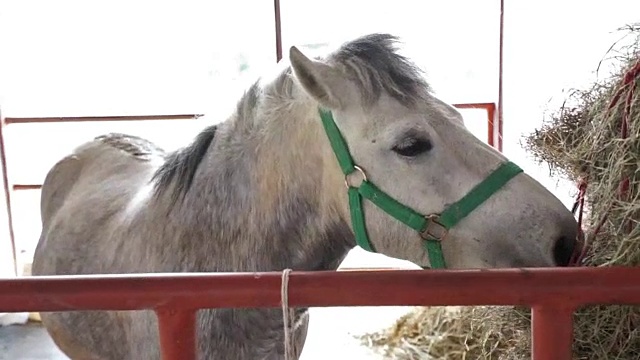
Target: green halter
432, 228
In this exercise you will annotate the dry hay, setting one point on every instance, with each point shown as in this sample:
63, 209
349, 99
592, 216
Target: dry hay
452, 333
581, 141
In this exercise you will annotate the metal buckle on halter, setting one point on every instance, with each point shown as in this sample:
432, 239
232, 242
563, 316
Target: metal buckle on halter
362, 174
431, 231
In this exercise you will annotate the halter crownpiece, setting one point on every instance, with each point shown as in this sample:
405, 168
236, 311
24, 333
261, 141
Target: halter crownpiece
433, 228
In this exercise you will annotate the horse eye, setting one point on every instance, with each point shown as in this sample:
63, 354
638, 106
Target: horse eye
411, 147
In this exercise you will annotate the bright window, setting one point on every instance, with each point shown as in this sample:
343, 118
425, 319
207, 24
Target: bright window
74, 58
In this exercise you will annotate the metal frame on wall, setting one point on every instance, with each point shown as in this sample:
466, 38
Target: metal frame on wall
494, 122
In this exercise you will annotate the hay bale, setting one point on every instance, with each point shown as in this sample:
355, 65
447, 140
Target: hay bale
584, 140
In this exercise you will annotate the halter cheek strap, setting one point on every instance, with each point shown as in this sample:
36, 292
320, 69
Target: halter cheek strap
432, 228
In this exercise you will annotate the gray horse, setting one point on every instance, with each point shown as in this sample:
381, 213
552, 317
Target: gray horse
263, 191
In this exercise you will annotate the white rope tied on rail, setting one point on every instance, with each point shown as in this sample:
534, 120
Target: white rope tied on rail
286, 315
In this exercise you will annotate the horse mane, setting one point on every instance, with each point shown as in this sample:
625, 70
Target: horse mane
180, 166
371, 60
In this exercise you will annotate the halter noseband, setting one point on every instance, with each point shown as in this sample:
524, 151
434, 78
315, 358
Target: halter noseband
432, 228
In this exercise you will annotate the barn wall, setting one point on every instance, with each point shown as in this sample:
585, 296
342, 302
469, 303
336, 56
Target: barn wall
7, 265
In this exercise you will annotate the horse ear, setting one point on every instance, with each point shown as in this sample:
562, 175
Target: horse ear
322, 81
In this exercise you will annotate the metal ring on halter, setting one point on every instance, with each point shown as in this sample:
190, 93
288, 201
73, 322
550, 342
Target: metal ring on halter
428, 232
359, 169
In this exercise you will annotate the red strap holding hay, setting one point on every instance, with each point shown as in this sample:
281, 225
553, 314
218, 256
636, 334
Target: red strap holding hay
623, 189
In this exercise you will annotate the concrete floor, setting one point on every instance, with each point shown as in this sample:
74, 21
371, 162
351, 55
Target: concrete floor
27, 342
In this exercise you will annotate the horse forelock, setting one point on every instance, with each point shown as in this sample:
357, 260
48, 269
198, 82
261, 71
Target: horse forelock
374, 62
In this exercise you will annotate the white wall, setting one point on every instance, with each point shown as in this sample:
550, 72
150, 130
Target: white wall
7, 265
550, 47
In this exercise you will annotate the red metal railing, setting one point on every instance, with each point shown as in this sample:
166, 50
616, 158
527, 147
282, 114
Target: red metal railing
553, 295
61, 119
494, 129
493, 135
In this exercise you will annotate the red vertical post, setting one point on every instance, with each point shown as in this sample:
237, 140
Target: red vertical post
276, 10
7, 194
552, 333
491, 126
177, 333
500, 72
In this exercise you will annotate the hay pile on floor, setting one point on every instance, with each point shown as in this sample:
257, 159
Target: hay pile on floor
583, 140
448, 333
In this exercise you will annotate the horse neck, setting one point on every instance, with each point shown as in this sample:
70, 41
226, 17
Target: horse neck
261, 199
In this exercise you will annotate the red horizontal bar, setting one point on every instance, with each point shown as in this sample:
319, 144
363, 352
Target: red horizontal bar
570, 287
382, 268
486, 106
489, 107
27, 120
26, 186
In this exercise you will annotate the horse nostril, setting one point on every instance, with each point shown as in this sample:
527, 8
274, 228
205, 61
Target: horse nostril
563, 250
